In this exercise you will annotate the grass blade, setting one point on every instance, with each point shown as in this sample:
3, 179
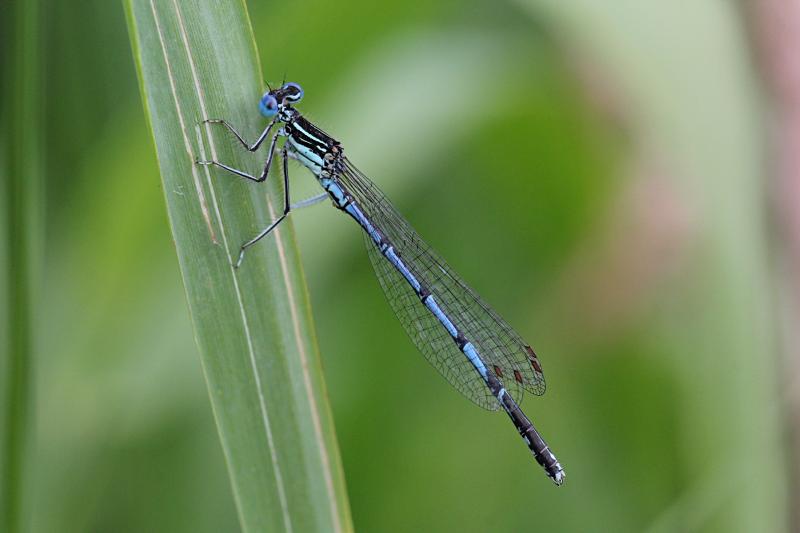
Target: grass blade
196, 60
21, 173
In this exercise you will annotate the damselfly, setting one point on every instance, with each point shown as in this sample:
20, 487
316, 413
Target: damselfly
462, 337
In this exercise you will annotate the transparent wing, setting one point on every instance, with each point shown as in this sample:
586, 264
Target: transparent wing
427, 333
503, 351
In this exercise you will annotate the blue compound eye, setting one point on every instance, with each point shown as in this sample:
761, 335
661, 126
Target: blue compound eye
292, 92
268, 106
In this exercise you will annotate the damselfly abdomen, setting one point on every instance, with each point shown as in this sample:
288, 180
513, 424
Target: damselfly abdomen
462, 337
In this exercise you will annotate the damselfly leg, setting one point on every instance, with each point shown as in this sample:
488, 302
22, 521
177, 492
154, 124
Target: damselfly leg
287, 206
264, 173
308, 202
250, 147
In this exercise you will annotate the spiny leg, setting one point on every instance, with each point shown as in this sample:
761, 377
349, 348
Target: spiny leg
242, 174
287, 208
250, 147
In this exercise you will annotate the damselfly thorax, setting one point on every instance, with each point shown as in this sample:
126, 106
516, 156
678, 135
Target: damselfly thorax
310, 146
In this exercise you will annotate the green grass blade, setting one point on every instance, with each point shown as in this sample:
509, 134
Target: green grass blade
21, 175
196, 60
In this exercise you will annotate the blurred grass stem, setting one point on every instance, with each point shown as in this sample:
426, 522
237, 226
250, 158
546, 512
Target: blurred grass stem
776, 32
21, 111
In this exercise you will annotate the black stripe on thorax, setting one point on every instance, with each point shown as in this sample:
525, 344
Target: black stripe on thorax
307, 134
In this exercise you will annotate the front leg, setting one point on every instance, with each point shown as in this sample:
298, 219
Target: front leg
240, 173
250, 147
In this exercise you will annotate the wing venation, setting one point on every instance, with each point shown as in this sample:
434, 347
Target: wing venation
503, 351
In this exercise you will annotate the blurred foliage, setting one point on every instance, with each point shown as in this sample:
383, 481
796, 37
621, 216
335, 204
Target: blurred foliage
592, 170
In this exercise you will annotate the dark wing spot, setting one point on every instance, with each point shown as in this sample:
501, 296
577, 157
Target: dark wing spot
517, 376
533, 359
498, 371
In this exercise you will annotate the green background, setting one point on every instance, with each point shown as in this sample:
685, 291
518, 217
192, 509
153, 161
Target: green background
596, 172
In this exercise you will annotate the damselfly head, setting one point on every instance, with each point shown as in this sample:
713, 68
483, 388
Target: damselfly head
288, 93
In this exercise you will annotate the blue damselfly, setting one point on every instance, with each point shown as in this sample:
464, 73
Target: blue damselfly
462, 337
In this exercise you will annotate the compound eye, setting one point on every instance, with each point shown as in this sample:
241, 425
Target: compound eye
268, 106
292, 92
